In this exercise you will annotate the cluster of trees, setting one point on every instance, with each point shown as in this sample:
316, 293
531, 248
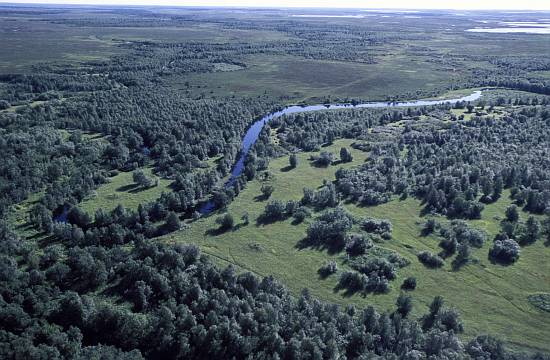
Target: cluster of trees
174, 303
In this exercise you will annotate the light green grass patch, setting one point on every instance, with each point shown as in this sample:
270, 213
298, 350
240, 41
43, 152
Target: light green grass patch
122, 190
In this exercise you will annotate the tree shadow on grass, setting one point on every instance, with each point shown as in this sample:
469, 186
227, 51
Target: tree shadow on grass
286, 168
127, 188
261, 197
217, 231
307, 243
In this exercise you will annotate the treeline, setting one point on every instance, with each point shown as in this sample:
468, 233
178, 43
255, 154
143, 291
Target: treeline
173, 303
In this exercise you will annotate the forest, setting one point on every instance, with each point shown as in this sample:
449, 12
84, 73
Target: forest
115, 141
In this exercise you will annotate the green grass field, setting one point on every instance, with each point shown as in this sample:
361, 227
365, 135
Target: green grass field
122, 190
491, 298
294, 79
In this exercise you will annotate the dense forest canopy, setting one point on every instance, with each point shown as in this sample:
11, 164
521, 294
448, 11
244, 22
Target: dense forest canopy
172, 109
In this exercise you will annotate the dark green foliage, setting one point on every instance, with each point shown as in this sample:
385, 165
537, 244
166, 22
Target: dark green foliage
226, 222
404, 305
173, 222
512, 213
506, 251
293, 161
430, 260
328, 269
409, 283
329, 230
141, 179
345, 155
267, 190
324, 159
358, 244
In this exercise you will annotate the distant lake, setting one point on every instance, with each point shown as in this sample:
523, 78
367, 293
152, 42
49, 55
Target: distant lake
329, 16
519, 27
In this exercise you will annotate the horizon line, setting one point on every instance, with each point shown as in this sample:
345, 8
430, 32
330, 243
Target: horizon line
93, 4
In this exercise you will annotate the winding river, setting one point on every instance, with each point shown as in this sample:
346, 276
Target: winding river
253, 132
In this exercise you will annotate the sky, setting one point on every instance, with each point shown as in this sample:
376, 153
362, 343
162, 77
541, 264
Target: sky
365, 4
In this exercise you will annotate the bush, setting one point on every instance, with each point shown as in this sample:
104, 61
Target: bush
293, 161
267, 190
506, 251
377, 226
345, 155
404, 305
409, 283
430, 260
429, 227
274, 210
225, 221
324, 159
328, 269
357, 244
330, 228
301, 214
512, 213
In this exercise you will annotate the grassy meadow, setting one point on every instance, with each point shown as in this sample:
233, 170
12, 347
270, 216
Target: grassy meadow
491, 298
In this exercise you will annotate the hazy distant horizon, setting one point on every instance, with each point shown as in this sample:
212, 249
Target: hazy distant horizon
526, 5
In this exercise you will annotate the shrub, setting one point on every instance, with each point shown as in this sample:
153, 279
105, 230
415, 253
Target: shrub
357, 244
506, 251
409, 283
274, 210
267, 190
512, 213
301, 214
404, 304
293, 161
377, 226
328, 269
430, 260
429, 227
225, 221
324, 159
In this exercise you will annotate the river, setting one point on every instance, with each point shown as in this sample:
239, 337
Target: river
253, 132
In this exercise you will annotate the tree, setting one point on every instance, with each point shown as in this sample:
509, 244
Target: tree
324, 159
506, 251
328, 269
512, 213
141, 179
430, 260
409, 283
225, 221
245, 218
267, 190
532, 230
357, 244
172, 222
404, 304
470, 108
78, 217
293, 161
345, 155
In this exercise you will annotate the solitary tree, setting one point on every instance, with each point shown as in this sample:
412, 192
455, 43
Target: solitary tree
172, 222
293, 160
512, 213
404, 304
267, 190
345, 155
225, 221
141, 179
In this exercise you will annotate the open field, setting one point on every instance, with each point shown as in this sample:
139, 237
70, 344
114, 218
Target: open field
491, 298
121, 190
